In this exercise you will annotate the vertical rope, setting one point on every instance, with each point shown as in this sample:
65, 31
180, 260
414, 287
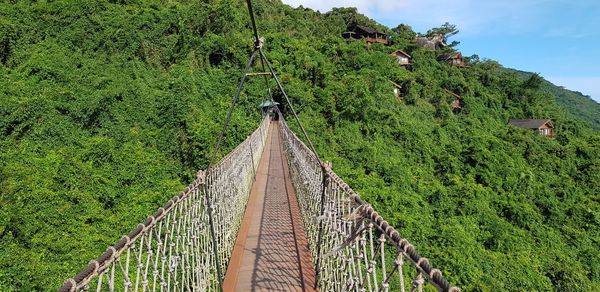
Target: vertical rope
400, 264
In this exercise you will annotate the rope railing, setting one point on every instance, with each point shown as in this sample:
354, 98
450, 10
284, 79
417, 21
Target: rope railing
172, 250
354, 247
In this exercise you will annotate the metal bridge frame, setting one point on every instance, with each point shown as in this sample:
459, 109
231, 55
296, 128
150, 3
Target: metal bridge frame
187, 241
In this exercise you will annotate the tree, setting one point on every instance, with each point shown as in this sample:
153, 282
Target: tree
534, 82
351, 17
404, 35
447, 30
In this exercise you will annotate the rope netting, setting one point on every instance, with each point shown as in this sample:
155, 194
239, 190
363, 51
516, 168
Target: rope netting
354, 247
175, 249
185, 244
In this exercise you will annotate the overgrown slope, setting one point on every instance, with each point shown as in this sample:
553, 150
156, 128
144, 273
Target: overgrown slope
109, 107
580, 106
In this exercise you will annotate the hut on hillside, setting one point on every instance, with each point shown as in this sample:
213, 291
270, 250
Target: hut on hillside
369, 34
544, 127
454, 59
403, 58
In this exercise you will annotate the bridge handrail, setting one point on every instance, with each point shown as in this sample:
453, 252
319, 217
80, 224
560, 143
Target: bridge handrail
187, 215
307, 172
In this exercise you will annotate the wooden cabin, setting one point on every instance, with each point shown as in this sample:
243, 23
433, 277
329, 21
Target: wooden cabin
454, 59
543, 126
403, 58
369, 34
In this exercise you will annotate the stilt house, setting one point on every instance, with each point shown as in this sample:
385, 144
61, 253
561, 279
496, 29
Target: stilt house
454, 59
369, 34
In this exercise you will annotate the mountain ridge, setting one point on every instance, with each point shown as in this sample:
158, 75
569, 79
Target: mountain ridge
581, 106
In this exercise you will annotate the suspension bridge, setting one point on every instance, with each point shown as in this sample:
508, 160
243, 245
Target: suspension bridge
269, 216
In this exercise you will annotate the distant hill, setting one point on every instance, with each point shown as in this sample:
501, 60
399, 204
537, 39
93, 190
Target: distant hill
579, 105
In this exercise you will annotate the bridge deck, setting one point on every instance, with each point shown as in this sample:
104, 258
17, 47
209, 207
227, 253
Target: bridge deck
271, 252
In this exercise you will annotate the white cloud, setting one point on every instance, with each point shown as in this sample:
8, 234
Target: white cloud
368, 7
586, 85
471, 16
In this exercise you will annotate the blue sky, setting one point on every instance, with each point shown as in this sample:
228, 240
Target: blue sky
559, 39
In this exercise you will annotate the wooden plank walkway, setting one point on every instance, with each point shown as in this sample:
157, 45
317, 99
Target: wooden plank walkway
271, 252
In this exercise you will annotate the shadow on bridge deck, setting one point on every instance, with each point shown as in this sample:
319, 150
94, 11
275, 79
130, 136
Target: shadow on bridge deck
271, 252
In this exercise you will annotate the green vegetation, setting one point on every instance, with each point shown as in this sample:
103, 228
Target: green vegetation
580, 106
107, 109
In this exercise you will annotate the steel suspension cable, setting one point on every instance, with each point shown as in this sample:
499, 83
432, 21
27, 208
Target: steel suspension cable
264, 60
258, 46
287, 99
233, 104
211, 162
324, 179
253, 21
267, 83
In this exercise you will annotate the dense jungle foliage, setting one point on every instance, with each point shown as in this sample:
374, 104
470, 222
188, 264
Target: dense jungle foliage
574, 102
108, 108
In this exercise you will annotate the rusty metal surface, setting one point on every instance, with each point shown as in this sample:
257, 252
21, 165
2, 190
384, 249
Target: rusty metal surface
271, 252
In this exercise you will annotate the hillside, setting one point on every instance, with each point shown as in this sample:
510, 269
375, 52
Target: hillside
108, 108
579, 105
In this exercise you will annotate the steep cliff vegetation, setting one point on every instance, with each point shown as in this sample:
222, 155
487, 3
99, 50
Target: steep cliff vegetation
107, 108
580, 106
